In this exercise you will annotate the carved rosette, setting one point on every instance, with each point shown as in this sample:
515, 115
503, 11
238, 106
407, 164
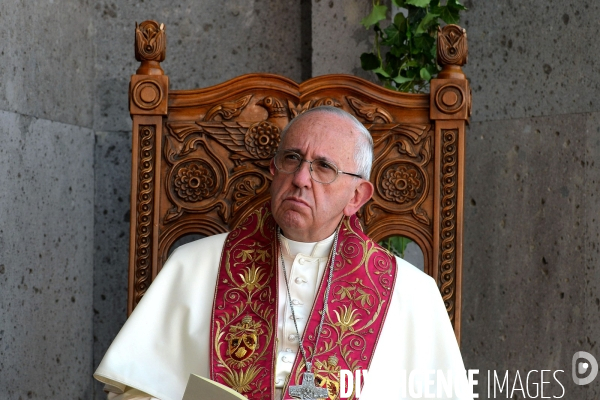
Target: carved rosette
194, 181
450, 98
144, 212
262, 139
452, 46
147, 94
448, 224
150, 41
402, 183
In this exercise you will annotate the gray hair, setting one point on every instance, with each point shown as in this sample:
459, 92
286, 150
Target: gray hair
363, 153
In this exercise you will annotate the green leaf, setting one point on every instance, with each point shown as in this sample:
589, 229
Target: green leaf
382, 72
399, 51
402, 79
377, 14
455, 5
392, 36
405, 52
424, 42
369, 61
418, 3
400, 21
449, 15
429, 20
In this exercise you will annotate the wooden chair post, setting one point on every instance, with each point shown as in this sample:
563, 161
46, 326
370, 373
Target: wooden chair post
450, 109
148, 97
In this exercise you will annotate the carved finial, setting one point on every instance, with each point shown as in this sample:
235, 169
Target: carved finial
452, 51
150, 47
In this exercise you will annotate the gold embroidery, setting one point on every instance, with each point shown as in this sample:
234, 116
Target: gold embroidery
347, 319
240, 381
244, 327
327, 375
243, 340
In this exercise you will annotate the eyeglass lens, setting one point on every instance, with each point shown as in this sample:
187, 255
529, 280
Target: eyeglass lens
321, 170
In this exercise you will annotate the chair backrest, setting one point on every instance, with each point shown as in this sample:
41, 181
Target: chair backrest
201, 157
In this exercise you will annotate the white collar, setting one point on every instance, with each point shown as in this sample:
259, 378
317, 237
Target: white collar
320, 249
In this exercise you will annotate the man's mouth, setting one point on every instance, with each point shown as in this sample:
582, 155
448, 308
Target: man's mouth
297, 200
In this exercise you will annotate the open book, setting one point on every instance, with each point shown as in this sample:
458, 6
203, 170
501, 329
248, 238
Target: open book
200, 388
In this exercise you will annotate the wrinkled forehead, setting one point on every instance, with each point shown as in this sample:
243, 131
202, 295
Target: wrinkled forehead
322, 135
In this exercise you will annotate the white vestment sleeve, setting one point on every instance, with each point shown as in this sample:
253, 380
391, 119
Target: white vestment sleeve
167, 336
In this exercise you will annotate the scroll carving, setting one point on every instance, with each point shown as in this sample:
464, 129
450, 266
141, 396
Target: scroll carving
448, 223
150, 41
296, 110
144, 212
274, 107
326, 101
247, 188
200, 175
402, 180
228, 109
452, 45
368, 111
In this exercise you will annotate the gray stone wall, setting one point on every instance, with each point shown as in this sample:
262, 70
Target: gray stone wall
531, 203
531, 215
46, 200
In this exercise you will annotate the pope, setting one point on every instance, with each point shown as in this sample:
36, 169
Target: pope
295, 294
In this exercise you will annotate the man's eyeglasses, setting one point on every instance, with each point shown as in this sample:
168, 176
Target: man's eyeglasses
321, 171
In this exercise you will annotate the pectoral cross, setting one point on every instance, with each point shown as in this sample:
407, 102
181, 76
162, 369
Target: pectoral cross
308, 390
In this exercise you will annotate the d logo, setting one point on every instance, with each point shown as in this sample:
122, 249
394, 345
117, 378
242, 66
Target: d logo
582, 363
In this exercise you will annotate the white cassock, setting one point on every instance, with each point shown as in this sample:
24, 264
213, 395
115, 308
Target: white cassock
167, 336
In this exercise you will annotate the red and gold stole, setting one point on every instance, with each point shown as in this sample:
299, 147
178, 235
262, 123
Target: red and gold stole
244, 320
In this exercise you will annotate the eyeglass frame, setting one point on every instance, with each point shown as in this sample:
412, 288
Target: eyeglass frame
310, 168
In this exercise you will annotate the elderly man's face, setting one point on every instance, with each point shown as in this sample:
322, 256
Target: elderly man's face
307, 210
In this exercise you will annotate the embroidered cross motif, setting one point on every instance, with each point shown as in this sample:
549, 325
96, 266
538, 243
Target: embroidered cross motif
308, 390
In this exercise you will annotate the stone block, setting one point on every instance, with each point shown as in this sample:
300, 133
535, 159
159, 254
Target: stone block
532, 58
46, 258
47, 53
111, 238
206, 44
528, 299
338, 38
592, 244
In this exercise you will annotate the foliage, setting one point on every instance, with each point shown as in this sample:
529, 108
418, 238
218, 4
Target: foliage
396, 245
410, 61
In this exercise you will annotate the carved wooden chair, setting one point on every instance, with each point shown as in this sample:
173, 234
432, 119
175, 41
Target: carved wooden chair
201, 157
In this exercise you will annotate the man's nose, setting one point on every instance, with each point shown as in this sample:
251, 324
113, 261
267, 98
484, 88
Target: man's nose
302, 176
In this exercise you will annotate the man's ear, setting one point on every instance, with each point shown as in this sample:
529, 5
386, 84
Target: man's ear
272, 166
362, 194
